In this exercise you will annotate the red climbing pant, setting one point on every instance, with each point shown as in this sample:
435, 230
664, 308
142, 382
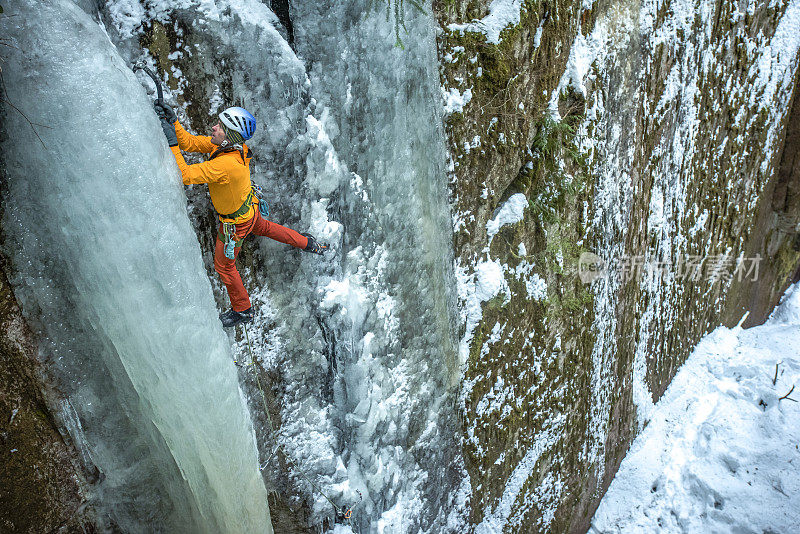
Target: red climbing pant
226, 268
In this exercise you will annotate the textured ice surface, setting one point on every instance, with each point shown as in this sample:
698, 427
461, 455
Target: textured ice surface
361, 340
388, 311
108, 270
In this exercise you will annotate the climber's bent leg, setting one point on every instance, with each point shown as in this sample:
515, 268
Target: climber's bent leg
275, 231
226, 268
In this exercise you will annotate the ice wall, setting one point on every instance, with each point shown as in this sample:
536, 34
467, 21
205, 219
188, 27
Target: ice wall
388, 312
358, 344
107, 268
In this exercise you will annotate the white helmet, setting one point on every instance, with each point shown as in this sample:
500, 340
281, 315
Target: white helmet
238, 123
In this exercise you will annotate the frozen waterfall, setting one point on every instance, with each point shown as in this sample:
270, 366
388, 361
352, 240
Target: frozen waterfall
386, 308
108, 270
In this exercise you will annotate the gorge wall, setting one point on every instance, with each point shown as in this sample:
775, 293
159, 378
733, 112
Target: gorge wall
642, 132
657, 136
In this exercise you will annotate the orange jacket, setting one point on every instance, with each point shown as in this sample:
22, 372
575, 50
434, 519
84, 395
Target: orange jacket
227, 175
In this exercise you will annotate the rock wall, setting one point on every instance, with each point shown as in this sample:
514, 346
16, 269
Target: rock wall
776, 231
42, 486
648, 133
529, 358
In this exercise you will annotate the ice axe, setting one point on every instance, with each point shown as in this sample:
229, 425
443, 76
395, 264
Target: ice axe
169, 129
146, 69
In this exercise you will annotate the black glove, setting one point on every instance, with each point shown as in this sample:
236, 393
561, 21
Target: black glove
164, 111
169, 132
313, 246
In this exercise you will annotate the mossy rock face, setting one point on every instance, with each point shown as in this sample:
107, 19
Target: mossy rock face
500, 78
41, 483
530, 356
734, 202
775, 233
533, 364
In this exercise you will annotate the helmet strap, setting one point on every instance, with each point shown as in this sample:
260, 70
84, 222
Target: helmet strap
232, 136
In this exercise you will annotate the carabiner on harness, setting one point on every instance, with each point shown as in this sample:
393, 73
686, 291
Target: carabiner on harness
229, 231
262, 201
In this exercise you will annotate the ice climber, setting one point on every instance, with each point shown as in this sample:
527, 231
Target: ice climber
227, 173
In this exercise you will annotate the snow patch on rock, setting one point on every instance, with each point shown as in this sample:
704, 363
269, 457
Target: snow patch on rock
490, 280
512, 211
454, 100
502, 14
483, 284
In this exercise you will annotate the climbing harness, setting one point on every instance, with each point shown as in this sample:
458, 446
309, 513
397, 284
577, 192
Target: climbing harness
341, 513
228, 234
256, 194
244, 208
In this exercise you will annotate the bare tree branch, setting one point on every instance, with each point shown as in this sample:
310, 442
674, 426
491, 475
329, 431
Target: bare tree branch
787, 396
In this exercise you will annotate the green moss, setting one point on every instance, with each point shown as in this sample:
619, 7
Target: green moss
540, 159
161, 44
786, 260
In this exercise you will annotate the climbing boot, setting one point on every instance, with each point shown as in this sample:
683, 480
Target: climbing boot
231, 317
